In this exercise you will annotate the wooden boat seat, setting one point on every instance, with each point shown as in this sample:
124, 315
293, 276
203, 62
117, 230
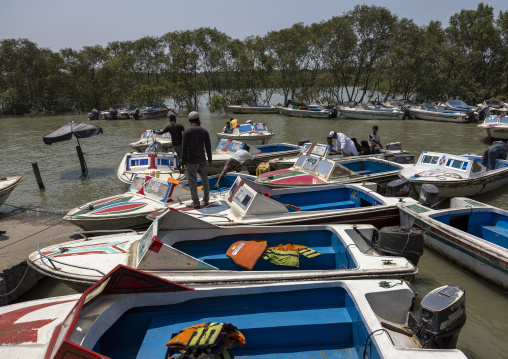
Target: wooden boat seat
330, 205
497, 234
325, 261
299, 330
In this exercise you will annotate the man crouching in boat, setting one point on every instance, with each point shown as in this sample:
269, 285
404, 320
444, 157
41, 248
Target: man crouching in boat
344, 143
235, 163
498, 150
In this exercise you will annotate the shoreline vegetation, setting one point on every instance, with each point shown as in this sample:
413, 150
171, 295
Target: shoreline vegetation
365, 51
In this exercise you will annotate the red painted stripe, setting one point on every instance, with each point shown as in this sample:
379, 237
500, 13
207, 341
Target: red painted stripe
304, 179
120, 208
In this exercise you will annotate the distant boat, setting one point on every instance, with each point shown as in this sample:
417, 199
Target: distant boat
7, 185
191, 251
431, 112
247, 109
470, 233
248, 132
455, 176
364, 112
147, 138
316, 112
130, 313
496, 127
154, 111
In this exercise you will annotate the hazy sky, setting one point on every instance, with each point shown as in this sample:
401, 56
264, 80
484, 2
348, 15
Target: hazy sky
58, 24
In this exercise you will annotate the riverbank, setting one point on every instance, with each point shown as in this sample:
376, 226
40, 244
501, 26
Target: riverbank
21, 231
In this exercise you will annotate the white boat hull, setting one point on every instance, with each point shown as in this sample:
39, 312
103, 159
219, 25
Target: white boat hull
438, 116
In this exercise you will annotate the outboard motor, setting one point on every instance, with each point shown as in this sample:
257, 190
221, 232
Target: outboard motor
333, 113
429, 195
470, 115
407, 113
302, 142
400, 241
155, 147
442, 316
483, 112
398, 188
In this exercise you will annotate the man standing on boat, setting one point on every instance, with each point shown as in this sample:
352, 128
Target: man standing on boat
176, 132
498, 150
195, 142
344, 143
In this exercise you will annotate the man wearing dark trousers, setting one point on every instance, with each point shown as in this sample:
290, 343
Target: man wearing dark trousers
196, 141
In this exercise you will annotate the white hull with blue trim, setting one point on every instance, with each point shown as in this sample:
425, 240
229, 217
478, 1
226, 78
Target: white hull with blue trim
470, 233
455, 176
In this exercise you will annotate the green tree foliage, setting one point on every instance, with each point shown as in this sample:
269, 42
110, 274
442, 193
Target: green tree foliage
365, 54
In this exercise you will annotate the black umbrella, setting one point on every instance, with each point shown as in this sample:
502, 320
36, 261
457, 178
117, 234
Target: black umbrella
79, 130
76, 128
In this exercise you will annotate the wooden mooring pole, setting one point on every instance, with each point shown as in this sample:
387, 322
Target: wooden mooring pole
37, 174
82, 161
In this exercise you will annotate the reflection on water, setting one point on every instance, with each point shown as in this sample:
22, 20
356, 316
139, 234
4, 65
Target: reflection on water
483, 336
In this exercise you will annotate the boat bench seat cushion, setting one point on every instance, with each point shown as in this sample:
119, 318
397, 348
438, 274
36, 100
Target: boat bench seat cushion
315, 327
327, 206
496, 234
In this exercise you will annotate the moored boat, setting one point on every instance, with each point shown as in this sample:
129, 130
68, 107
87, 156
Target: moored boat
247, 109
364, 112
184, 249
248, 132
470, 233
431, 112
496, 127
7, 185
128, 210
314, 168
134, 314
154, 111
161, 165
455, 176
316, 112
148, 137
250, 203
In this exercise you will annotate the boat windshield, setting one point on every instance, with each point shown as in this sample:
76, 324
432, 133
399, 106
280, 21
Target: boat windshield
259, 127
340, 171
430, 159
222, 143
156, 188
323, 168
137, 183
147, 134
457, 164
457, 103
491, 119
299, 162
234, 146
503, 119
311, 163
245, 128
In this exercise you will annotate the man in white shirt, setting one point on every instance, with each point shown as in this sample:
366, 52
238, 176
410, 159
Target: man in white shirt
343, 142
235, 162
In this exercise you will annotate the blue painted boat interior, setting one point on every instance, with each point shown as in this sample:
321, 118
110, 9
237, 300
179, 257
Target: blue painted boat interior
326, 199
224, 185
317, 323
488, 225
365, 167
334, 254
275, 148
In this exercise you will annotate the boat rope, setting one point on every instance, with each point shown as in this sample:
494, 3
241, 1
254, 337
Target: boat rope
12, 291
368, 338
385, 284
33, 234
33, 210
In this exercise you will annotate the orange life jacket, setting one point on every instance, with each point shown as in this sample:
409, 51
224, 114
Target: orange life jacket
246, 253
